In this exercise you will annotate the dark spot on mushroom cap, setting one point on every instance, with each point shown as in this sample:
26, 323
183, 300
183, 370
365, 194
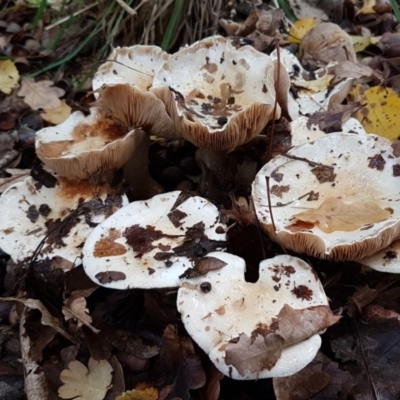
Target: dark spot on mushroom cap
377, 162
390, 255
302, 292
32, 213
44, 210
205, 287
110, 276
222, 120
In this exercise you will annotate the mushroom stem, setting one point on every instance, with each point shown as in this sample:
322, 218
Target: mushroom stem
136, 170
224, 172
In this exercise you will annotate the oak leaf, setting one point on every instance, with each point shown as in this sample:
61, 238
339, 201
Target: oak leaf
263, 349
81, 383
57, 115
9, 76
40, 94
335, 215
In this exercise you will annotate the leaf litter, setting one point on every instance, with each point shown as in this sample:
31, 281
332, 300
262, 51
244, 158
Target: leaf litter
59, 305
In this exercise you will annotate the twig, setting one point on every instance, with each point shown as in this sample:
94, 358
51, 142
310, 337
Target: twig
125, 6
269, 204
76, 13
309, 162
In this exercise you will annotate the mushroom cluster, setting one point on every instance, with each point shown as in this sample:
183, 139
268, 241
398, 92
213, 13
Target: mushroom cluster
217, 97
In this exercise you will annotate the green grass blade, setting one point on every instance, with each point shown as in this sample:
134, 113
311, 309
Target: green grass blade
173, 22
39, 13
287, 10
395, 8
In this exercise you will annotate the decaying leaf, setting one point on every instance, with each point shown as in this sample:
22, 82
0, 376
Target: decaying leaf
47, 318
335, 215
300, 28
263, 349
374, 351
202, 266
380, 113
9, 76
75, 308
139, 394
322, 379
332, 120
40, 94
83, 383
58, 114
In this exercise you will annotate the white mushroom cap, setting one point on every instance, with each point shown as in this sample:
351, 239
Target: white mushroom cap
216, 95
341, 168
311, 95
122, 86
135, 65
303, 132
150, 244
385, 260
82, 146
221, 305
32, 212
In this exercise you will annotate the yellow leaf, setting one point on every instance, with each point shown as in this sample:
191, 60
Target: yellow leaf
360, 43
57, 115
83, 383
316, 85
300, 28
380, 113
368, 7
142, 394
9, 76
335, 215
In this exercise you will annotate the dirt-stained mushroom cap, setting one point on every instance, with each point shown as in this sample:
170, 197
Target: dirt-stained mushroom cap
336, 197
135, 65
385, 260
217, 96
122, 86
302, 131
153, 243
83, 146
60, 215
221, 307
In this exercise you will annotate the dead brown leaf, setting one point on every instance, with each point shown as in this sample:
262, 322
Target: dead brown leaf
41, 94
263, 349
335, 215
332, 120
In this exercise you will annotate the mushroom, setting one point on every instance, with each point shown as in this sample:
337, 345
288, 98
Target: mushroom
326, 42
302, 131
385, 260
335, 198
83, 146
122, 85
217, 96
150, 244
53, 220
314, 92
235, 322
